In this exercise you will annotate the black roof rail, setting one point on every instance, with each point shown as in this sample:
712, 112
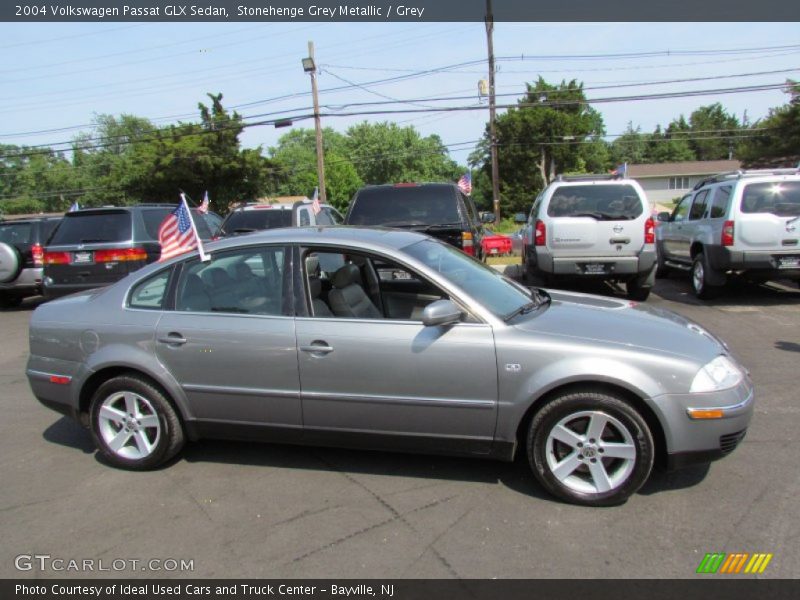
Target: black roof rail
740, 173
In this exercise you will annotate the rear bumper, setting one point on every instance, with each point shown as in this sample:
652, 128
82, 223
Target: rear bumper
27, 283
583, 266
766, 262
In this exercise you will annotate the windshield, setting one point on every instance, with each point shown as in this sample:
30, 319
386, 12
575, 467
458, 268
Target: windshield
618, 202
256, 220
487, 286
405, 206
781, 199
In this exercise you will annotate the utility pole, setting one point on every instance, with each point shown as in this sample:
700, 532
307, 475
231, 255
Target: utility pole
310, 67
492, 133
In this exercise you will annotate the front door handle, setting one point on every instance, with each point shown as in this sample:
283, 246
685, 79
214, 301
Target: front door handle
173, 338
317, 347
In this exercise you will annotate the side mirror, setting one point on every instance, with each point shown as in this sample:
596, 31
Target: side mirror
441, 312
487, 218
520, 218
663, 217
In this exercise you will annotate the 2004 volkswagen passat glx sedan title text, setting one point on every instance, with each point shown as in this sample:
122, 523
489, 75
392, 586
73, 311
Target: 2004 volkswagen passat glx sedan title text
386, 339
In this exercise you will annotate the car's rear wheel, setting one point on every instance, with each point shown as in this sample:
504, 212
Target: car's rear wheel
590, 448
636, 291
133, 424
701, 271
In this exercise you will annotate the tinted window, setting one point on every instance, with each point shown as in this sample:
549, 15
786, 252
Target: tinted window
698, 206
304, 217
16, 233
779, 198
405, 206
248, 281
243, 221
328, 216
94, 227
47, 229
602, 202
483, 283
153, 217
149, 294
721, 201
682, 209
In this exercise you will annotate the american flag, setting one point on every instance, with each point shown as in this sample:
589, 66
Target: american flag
465, 183
315, 207
74, 206
176, 232
203, 208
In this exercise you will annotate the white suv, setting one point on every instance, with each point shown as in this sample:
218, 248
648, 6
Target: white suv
743, 222
592, 226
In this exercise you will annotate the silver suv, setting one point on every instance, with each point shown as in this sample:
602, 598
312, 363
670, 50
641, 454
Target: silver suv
592, 226
744, 222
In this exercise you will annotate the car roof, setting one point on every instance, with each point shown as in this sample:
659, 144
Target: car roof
376, 237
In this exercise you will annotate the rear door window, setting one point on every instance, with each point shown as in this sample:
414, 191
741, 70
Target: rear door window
780, 198
93, 228
16, 233
721, 202
698, 206
601, 202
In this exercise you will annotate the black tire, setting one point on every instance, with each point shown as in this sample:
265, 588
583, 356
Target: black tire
7, 301
662, 270
165, 436
636, 291
624, 475
700, 285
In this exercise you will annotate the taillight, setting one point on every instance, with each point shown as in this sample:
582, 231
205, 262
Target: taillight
650, 231
56, 258
727, 233
540, 235
38, 255
466, 243
119, 255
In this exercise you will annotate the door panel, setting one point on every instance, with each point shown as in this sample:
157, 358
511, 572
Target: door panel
388, 377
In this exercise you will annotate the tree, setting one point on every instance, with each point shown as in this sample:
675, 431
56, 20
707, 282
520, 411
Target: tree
552, 131
781, 135
630, 147
712, 131
387, 153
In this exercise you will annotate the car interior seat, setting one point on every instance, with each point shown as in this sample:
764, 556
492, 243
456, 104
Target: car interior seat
348, 298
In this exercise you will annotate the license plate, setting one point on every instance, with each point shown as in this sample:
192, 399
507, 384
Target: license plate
789, 262
81, 258
594, 268
493, 251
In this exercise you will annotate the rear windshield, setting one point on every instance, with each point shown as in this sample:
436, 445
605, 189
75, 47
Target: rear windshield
778, 198
244, 221
153, 217
16, 233
93, 228
405, 206
601, 202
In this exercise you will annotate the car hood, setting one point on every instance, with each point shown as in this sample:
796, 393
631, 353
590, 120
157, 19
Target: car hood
607, 321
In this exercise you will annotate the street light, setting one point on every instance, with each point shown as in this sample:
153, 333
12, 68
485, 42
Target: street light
311, 68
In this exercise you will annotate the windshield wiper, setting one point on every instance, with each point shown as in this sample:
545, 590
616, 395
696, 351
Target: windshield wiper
522, 310
403, 224
443, 226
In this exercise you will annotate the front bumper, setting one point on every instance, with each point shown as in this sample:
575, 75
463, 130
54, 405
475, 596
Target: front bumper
695, 441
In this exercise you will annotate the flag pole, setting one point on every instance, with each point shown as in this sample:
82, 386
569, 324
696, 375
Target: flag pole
203, 256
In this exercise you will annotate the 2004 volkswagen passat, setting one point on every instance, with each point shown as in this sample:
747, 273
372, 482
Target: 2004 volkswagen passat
386, 339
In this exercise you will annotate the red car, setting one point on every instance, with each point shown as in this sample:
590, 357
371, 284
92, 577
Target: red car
495, 244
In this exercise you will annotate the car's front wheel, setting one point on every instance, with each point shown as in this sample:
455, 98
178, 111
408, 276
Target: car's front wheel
590, 448
133, 423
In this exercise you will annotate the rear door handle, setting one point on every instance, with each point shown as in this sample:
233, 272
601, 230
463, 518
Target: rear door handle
317, 347
173, 339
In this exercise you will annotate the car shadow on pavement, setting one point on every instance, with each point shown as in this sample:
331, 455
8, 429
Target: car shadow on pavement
665, 481
737, 292
787, 346
66, 432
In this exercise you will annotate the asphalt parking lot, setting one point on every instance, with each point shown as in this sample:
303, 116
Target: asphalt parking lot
258, 510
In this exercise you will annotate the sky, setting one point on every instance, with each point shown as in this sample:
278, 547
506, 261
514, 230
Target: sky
56, 77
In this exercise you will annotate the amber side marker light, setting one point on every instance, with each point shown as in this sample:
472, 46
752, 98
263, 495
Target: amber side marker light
703, 413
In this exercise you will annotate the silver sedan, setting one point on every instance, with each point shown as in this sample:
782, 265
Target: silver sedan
386, 339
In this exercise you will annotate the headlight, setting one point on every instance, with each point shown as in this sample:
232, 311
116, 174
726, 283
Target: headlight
720, 374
